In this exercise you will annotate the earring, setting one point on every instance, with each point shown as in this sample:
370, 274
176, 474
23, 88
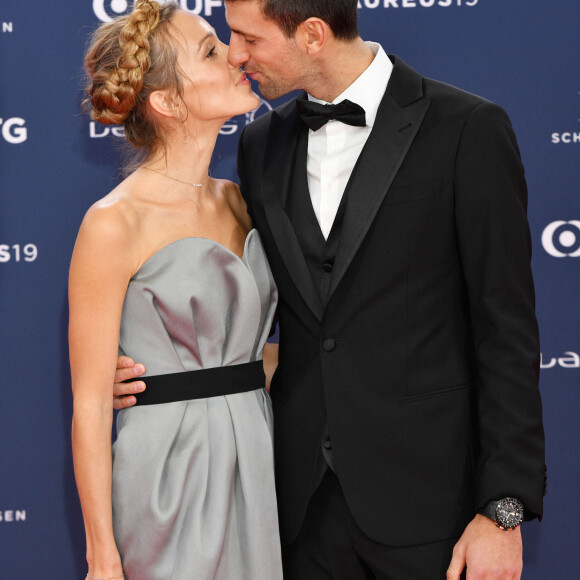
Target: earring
181, 118
184, 132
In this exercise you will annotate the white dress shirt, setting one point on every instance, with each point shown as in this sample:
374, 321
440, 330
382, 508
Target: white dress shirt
334, 149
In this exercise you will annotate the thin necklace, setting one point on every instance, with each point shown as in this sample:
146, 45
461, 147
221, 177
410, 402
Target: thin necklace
175, 178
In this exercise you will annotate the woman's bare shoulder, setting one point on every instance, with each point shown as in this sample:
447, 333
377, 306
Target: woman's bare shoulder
112, 222
236, 201
110, 215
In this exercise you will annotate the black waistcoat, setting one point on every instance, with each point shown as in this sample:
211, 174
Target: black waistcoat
318, 252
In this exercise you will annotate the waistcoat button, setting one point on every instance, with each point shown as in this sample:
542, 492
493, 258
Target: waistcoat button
329, 344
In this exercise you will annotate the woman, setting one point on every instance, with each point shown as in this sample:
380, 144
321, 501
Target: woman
167, 270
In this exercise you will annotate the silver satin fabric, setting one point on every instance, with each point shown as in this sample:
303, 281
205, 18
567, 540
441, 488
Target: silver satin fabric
193, 481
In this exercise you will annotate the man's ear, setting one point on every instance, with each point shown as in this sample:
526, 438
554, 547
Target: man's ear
163, 104
312, 35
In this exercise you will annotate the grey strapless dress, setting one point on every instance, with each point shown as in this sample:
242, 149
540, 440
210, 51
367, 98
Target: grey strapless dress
193, 481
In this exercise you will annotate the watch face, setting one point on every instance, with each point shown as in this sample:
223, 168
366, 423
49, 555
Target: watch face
509, 513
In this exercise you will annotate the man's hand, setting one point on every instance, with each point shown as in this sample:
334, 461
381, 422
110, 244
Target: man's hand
122, 392
270, 359
488, 552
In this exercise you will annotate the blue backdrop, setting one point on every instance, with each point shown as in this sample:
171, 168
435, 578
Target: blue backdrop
54, 163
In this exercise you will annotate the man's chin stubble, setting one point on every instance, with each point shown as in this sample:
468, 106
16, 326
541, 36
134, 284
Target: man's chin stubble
272, 92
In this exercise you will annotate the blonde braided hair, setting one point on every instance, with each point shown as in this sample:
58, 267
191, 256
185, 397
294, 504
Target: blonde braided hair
126, 60
114, 92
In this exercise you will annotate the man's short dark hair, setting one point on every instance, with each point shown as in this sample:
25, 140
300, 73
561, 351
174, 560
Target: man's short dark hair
340, 15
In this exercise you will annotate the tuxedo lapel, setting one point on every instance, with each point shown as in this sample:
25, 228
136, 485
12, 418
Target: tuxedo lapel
399, 117
286, 130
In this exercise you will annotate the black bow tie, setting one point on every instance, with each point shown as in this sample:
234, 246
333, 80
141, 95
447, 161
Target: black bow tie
316, 115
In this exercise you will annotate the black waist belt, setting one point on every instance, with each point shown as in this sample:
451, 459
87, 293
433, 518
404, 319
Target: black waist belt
202, 383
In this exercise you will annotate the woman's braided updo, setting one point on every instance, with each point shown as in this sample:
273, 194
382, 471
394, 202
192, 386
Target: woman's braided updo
127, 59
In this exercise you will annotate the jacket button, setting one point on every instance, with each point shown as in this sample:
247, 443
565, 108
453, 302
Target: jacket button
329, 344
327, 267
327, 444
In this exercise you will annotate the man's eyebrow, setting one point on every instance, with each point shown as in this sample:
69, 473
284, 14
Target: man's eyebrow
242, 33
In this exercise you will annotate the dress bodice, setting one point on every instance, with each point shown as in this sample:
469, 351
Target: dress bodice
195, 304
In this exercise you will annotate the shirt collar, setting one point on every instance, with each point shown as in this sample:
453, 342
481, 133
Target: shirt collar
368, 89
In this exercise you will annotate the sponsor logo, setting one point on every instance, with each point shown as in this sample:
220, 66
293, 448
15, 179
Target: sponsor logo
10, 516
233, 125
7, 27
106, 10
98, 131
566, 137
13, 130
570, 360
415, 3
561, 239
18, 253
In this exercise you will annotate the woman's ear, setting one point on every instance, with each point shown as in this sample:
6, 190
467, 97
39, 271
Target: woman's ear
163, 104
312, 35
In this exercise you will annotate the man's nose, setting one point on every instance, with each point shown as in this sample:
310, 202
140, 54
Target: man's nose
237, 54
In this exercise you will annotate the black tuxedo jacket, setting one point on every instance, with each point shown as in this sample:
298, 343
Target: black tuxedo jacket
424, 358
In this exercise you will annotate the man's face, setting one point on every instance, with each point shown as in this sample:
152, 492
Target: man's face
267, 55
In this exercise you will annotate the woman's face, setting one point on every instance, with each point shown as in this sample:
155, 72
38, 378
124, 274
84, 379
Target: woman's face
212, 89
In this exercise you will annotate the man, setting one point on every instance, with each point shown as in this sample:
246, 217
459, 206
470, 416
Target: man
407, 411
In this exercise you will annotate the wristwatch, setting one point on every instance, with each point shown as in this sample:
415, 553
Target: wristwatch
507, 513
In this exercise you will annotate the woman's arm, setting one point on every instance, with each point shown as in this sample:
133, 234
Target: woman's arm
99, 274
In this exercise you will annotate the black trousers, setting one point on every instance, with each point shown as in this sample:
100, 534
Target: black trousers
330, 546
